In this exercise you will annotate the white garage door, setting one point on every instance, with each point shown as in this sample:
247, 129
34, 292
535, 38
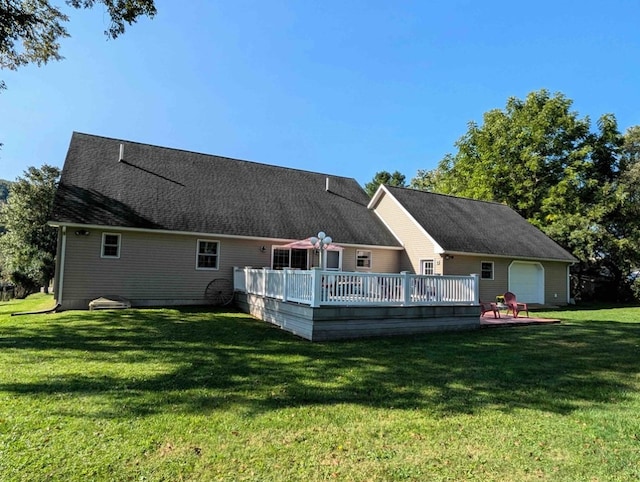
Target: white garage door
526, 280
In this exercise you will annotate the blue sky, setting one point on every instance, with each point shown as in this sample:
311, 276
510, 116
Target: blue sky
346, 88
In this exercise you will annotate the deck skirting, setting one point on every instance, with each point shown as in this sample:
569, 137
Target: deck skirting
344, 322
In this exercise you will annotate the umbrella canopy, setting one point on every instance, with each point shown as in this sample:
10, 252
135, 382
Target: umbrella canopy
306, 244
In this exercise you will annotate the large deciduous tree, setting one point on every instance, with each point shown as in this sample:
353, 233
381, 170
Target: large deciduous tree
539, 157
30, 30
384, 177
28, 246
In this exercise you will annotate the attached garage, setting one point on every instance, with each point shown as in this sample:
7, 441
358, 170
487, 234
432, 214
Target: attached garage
526, 280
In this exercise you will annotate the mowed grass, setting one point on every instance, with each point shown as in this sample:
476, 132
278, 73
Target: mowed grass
189, 394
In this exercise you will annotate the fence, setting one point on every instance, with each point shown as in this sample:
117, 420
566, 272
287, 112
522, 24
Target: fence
321, 288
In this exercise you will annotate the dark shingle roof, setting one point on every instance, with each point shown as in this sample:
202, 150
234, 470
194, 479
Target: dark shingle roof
470, 226
170, 189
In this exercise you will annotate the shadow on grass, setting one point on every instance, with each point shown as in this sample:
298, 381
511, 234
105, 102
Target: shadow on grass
228, 361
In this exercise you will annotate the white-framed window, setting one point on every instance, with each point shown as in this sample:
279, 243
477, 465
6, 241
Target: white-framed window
207, 254
486, 270
333, 260
427, 266
110, 247
289, 258
363, 259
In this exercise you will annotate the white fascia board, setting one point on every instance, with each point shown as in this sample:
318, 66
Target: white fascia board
167, 231
371, 246
507, 256
382, 190
202, 234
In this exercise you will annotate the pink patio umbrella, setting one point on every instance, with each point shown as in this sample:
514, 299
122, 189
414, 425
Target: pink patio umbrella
306, 244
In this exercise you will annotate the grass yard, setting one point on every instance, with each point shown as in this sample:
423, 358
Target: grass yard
185, 394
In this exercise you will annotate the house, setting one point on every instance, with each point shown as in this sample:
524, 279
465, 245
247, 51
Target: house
156, 225
448, 235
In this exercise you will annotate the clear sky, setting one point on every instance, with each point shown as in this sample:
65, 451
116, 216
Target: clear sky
341, 87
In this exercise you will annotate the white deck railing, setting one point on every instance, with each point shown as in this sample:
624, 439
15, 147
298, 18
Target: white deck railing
320, 288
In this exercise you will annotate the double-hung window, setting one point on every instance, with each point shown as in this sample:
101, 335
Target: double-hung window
363, 259
427, 267
110, 247
208, 254
486, 270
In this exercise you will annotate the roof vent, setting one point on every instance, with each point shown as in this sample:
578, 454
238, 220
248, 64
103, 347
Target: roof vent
121, 158
326, 186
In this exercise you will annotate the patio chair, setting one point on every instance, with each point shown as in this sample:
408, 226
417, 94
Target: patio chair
488, 306
513, 305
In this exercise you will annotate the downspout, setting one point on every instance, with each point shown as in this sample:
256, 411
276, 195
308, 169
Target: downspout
63, 251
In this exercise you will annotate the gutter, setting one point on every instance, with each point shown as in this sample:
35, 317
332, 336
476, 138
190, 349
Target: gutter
63, 251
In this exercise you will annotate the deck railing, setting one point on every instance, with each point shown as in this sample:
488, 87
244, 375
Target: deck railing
320, 288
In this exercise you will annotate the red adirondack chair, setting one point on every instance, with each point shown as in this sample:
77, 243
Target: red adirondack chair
513, 305
488, 306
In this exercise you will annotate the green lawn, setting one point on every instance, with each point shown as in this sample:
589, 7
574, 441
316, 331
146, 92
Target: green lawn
185, 394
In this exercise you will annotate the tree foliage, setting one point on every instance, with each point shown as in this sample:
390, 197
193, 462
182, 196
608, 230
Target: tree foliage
385, 177
5, 186
28, 246
30, 30
539, 157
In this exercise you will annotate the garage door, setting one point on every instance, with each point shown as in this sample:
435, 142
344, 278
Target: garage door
526, 280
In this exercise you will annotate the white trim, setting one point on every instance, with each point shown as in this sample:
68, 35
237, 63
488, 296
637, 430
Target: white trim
326, 256
102, 245
63, 250
540, 287
377, 196
370, 257
217, 255
493, 270
203, 234
568, 283
433, 266
505, 256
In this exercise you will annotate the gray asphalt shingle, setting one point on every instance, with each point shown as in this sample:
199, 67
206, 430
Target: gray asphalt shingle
171, 189
471, 226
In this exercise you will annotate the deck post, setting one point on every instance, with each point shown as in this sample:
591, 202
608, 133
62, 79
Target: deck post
406, 288
476, 288
285, 284
264, 282
316, 287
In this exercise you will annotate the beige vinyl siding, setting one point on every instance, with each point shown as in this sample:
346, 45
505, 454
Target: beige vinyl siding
152, 268
555, 276
466, 265
417, 245
382, 260
160, 269
555, 283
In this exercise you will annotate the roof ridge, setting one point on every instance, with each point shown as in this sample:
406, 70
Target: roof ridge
214, 155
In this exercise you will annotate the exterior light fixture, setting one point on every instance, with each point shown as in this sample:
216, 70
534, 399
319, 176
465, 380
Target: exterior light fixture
321, 242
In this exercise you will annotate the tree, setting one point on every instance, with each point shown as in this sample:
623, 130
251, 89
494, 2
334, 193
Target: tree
384, 177
31, 29
540, 158
28, 246
516, 155
5, 186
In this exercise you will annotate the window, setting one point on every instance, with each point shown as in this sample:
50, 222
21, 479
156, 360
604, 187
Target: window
289, 258
363, 259
110, 246
299, 258
333, 260
427, 267
281, 258
486, 270
207, 255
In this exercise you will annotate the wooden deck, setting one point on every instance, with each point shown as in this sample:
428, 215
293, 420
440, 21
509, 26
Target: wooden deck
488, 321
